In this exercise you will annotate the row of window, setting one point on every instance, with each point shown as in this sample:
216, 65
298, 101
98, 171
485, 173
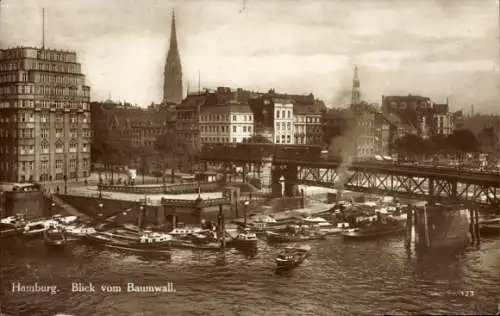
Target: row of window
225, 117
44, 164
220, 139
24, 52
44, 133
45, 148
283, 126
288, 113
283, 140
59, 79
32, 64
225, 129
307, 119
30, 104
28, 117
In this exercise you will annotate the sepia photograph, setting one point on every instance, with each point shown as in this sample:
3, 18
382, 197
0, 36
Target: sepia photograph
249, 157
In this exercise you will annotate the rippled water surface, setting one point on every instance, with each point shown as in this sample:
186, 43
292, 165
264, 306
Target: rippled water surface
340, 278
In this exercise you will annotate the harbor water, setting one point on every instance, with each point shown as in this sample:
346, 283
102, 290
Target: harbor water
340, 278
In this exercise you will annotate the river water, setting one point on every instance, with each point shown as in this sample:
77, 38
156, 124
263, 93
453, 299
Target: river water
340, 278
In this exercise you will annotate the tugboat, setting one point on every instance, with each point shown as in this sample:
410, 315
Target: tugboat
55, 237
374, 227
291, 257
295, 234
245, 239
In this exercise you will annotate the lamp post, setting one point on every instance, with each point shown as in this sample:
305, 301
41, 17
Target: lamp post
52, 205
100, 214
65, 184
141, 208
245, 206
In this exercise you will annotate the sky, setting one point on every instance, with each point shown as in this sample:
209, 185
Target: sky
437, 48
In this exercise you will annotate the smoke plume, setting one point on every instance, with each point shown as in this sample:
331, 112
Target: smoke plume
345, 146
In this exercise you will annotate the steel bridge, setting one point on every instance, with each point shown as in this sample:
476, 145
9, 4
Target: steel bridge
446, 185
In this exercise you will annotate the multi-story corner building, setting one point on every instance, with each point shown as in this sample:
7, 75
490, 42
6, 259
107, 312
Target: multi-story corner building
45, 131
428, 118
283, 122
226, 123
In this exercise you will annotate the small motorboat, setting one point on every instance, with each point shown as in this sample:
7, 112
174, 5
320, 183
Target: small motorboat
245, 239
55, 237
291, 257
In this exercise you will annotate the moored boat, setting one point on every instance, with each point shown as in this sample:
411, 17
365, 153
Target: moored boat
291, 257
284, 238
35, 229
146, 241
490, 227
185, 232
295, 233
54, 237
370, 229
245, 239
9, 230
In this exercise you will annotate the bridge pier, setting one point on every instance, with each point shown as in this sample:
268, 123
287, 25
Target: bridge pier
440, 226
265, 174
409, 224
284, 176
474, 226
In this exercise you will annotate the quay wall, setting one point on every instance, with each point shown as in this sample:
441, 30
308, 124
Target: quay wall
181, 188
29, 203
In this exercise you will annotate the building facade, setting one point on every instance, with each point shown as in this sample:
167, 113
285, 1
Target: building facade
308, 125
226, 123
429, 119
283, 122
45, 131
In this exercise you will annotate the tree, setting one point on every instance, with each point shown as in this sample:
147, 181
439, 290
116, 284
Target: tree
258, 139
438, 144
165, 145
410, 145
463, 141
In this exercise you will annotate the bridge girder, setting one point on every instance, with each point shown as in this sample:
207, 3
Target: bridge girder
424, 187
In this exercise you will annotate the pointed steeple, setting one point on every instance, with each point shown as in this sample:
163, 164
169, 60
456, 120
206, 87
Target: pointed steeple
173, 36
356, 93
172, 86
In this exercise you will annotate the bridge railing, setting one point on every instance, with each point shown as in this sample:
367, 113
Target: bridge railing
195, 203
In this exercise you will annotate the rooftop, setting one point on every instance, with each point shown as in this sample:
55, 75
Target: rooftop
227, 108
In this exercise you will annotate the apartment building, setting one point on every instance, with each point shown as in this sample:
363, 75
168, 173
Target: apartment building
226, 123
45, 131
283, 122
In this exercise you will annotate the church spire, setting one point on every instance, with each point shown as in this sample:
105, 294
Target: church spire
356, 93
173, 36
172, 87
